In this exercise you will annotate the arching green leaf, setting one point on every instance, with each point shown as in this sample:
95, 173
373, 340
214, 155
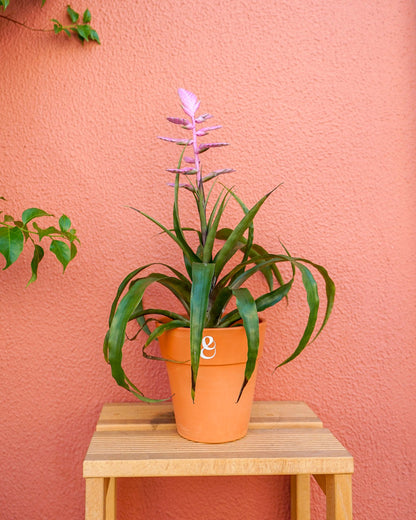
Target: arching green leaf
73, 15
202, 275
186, 250
313, 302
38, 254
11, 244
64, 223
62, 252
31, 213
116, 335
228, 249
247, 309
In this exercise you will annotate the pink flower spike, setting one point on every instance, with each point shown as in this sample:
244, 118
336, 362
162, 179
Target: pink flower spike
216, 173
189, 102
204, 131
178, 121
203, 118
189, 160
185, 171
182, 142
186, 186
220, 172
204, 147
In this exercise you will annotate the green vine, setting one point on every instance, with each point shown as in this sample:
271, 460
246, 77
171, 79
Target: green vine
15, 233
81, 26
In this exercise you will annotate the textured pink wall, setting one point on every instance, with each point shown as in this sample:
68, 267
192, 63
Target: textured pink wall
320, 95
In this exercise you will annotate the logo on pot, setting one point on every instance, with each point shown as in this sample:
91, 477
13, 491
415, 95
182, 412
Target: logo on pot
208, 347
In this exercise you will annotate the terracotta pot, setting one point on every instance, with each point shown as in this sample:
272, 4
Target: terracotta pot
215, 416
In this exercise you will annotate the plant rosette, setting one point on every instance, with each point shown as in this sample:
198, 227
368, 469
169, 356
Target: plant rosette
211, 289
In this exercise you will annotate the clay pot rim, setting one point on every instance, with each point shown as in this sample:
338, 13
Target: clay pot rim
240, 326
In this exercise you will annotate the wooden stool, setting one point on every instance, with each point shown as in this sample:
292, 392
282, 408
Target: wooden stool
284, 438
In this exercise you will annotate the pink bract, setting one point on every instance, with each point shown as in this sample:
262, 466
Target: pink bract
189, 101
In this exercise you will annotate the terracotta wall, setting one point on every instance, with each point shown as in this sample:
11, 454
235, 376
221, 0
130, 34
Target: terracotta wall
318, 95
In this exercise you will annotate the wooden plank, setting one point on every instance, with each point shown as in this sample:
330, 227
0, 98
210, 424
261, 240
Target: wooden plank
285, 451
339, 497
110, 499
159, 417
95, 499
321, 480
300, 497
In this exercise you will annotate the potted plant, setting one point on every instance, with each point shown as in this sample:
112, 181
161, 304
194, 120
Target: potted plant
197, 337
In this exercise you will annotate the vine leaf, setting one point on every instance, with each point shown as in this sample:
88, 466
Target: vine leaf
61, 251
11, 244
38, 254
73, 15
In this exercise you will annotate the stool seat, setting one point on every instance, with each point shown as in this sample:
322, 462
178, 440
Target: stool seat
284, 438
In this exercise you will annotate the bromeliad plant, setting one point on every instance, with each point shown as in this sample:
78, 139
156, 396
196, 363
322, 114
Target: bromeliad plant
209, 283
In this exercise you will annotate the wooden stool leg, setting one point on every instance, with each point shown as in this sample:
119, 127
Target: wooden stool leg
110, 499
300, 497
339, 497
94, 499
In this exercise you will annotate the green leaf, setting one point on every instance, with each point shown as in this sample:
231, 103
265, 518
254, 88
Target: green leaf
86, 17
43, 3
31, 213
202, 275
270, 299
188, 253
62, 252
64, 223
73, 249
247, 309
257, 250
263, 302
228, 249
254, 252
11, 244
261, 263
140, 312
329, 288
94, 36
249, 242
140, 318
213, 224
115, 337
313, 302
130, 277
57, 28
73, 15
83, 31
180, 289
72, 235
220, 297
37, 257
121, 288
177, 225
51, 230
173, 324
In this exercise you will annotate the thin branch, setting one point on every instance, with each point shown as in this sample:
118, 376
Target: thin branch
23, 24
